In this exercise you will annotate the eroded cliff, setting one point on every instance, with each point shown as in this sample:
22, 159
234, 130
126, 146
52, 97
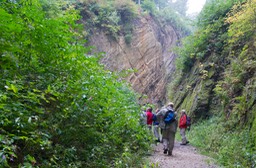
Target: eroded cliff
149, 54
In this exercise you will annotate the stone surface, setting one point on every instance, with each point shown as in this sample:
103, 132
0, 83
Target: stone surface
149, 54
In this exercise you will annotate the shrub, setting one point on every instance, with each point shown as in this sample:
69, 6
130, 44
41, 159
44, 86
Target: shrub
59, 106
149, 6
128, 38
230, 148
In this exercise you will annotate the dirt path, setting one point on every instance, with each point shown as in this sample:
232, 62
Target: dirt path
183, 157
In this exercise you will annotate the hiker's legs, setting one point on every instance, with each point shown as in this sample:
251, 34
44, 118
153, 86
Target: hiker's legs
156, 132
150, 128
161, 135
171, 142
183, 135
165, 139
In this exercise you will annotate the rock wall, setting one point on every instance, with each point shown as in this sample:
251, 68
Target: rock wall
148, 54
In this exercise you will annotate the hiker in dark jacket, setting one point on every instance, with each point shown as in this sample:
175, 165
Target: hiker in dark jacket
183, 127
169, 130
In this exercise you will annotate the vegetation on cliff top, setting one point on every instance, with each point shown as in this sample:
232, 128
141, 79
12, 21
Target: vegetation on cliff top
116, 17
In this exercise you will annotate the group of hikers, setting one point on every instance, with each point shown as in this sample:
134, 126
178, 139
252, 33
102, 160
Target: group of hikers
164, 121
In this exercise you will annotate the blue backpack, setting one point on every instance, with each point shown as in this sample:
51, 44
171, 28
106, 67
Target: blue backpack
169, 117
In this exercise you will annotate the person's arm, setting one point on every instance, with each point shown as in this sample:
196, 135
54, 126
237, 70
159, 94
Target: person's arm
160, 113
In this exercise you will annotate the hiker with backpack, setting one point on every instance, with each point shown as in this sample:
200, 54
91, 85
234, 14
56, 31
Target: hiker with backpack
150, 116
168, 124
183, 126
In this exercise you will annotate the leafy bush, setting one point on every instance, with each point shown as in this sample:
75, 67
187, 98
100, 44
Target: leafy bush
113, 17
215, 10
230, 148
100, 15
128, 38
59, 107
149, 6
185, 58
127, 11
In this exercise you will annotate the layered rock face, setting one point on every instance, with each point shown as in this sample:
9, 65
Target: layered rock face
149, 54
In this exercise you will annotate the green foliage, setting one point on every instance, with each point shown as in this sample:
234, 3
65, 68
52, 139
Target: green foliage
128, 38
230, 148
127, 12
161, 3
170, 16
185, 58
149, 6
126, 9
113, 17
229, 41
225, 39
180, 6
238, 85
253, 126
241, 18
210, 38
104, 17
214, 10
116, 17
59, 107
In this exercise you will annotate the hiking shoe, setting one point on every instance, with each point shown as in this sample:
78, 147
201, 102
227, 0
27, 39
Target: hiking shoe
165, 151
169, 153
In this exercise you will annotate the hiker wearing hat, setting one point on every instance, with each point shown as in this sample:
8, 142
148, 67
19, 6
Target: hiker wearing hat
149, 115
183, 127
168, 123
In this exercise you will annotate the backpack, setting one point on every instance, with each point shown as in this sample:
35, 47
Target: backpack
154, 117
169, 117
188, 121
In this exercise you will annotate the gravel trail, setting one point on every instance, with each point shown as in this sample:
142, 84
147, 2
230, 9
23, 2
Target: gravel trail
183, 157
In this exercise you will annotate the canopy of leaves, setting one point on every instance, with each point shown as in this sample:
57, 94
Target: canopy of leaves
58, 106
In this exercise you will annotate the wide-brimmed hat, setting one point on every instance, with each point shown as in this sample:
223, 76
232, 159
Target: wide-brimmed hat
170, 104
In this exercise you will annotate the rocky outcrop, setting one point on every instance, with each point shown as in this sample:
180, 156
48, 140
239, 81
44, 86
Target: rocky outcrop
149, 54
